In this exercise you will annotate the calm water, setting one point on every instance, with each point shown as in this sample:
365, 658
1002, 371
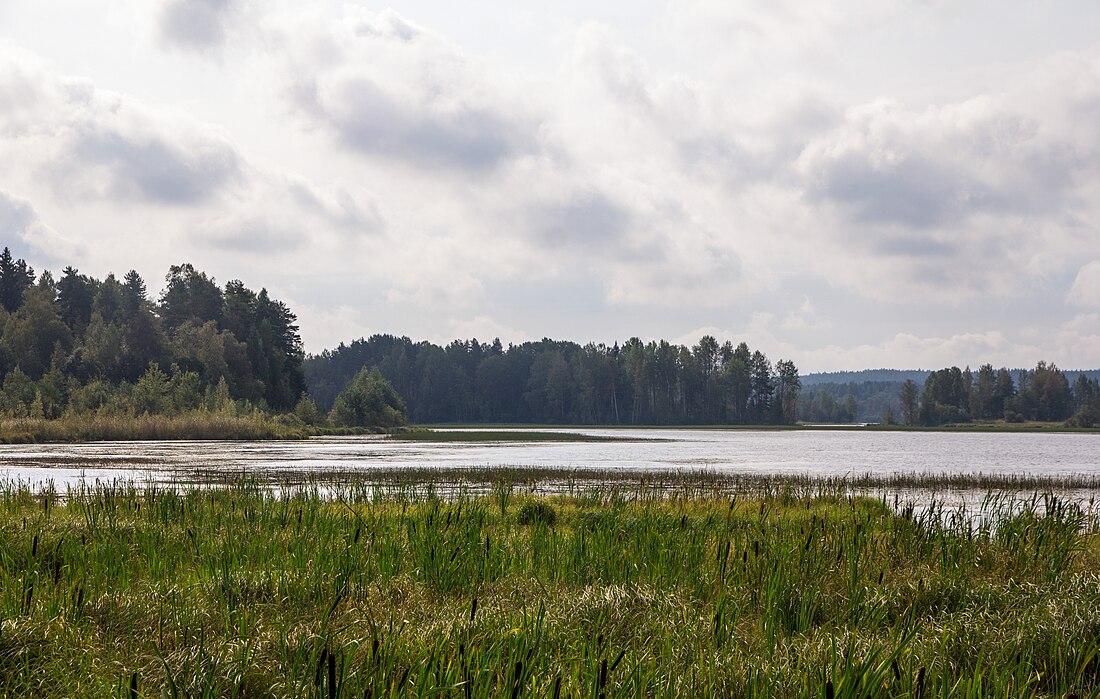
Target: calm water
825, 453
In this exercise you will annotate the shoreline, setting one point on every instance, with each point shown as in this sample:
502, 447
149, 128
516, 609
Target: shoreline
211, 427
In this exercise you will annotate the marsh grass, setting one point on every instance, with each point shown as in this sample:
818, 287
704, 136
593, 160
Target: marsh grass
195, 425
413, 480
244, 591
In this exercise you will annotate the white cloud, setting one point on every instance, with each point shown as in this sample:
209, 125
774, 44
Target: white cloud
95, 148
279, 214
1069, 344
18, 219
962, 200
1086, 286
803, 318
484, 329
923, 352
93, 144
325, 327
714, 168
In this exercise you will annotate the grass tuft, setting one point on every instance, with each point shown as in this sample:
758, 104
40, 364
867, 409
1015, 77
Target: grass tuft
537, 512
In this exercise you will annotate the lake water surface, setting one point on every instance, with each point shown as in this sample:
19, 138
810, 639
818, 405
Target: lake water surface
838, 453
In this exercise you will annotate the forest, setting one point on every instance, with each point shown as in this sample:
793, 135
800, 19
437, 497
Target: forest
1044, 394
835, 402
952, 395
77, 345
559, 382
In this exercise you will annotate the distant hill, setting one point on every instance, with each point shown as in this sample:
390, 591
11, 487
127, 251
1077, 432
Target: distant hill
901, 375
877, 375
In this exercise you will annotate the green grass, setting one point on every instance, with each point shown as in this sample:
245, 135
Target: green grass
242, 592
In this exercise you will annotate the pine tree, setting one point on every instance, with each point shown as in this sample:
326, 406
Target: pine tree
15, 278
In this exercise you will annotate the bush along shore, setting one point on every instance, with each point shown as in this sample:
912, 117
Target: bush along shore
239, 591
202, 425
195, 425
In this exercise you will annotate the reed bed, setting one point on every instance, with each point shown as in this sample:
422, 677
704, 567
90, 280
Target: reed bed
246, 591
195, 425
702, 482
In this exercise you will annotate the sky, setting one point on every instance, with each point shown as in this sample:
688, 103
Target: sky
856, 184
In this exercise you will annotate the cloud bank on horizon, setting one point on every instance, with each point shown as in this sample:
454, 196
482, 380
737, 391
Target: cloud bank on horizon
849, 185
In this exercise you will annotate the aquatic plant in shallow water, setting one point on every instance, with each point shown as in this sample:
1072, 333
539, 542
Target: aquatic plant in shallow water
245, 591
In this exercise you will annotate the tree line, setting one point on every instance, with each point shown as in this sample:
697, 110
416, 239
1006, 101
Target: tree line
1044, 393
833, 402
550, 381
79, 345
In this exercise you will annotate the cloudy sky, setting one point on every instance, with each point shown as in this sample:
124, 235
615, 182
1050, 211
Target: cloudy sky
849, 184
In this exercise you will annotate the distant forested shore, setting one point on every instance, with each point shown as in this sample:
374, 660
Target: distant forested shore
658, 383
952, 395
561, 382
87, 358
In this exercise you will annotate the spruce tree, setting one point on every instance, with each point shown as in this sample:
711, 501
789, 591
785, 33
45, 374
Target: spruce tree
15, 278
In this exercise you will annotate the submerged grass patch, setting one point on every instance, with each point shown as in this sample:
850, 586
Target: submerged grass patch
237, 591
427, 435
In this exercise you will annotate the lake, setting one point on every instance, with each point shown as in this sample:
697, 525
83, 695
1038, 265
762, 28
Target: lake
832, 454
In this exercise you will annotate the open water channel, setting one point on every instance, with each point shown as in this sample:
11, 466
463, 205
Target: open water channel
851, 454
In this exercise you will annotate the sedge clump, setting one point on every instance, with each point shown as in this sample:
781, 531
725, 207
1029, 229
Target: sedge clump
537, 513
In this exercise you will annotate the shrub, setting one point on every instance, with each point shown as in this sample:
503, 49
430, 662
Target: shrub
368, 400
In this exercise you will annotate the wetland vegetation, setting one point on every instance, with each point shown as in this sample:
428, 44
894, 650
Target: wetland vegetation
600, 591
490, 435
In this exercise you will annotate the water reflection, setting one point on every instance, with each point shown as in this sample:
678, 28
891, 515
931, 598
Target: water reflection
954, 467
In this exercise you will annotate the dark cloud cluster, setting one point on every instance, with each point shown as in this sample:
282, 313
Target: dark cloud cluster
153, 168
914, 191
425, 129
257, 234
585, 221
196, 25
388, 88
886, 165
